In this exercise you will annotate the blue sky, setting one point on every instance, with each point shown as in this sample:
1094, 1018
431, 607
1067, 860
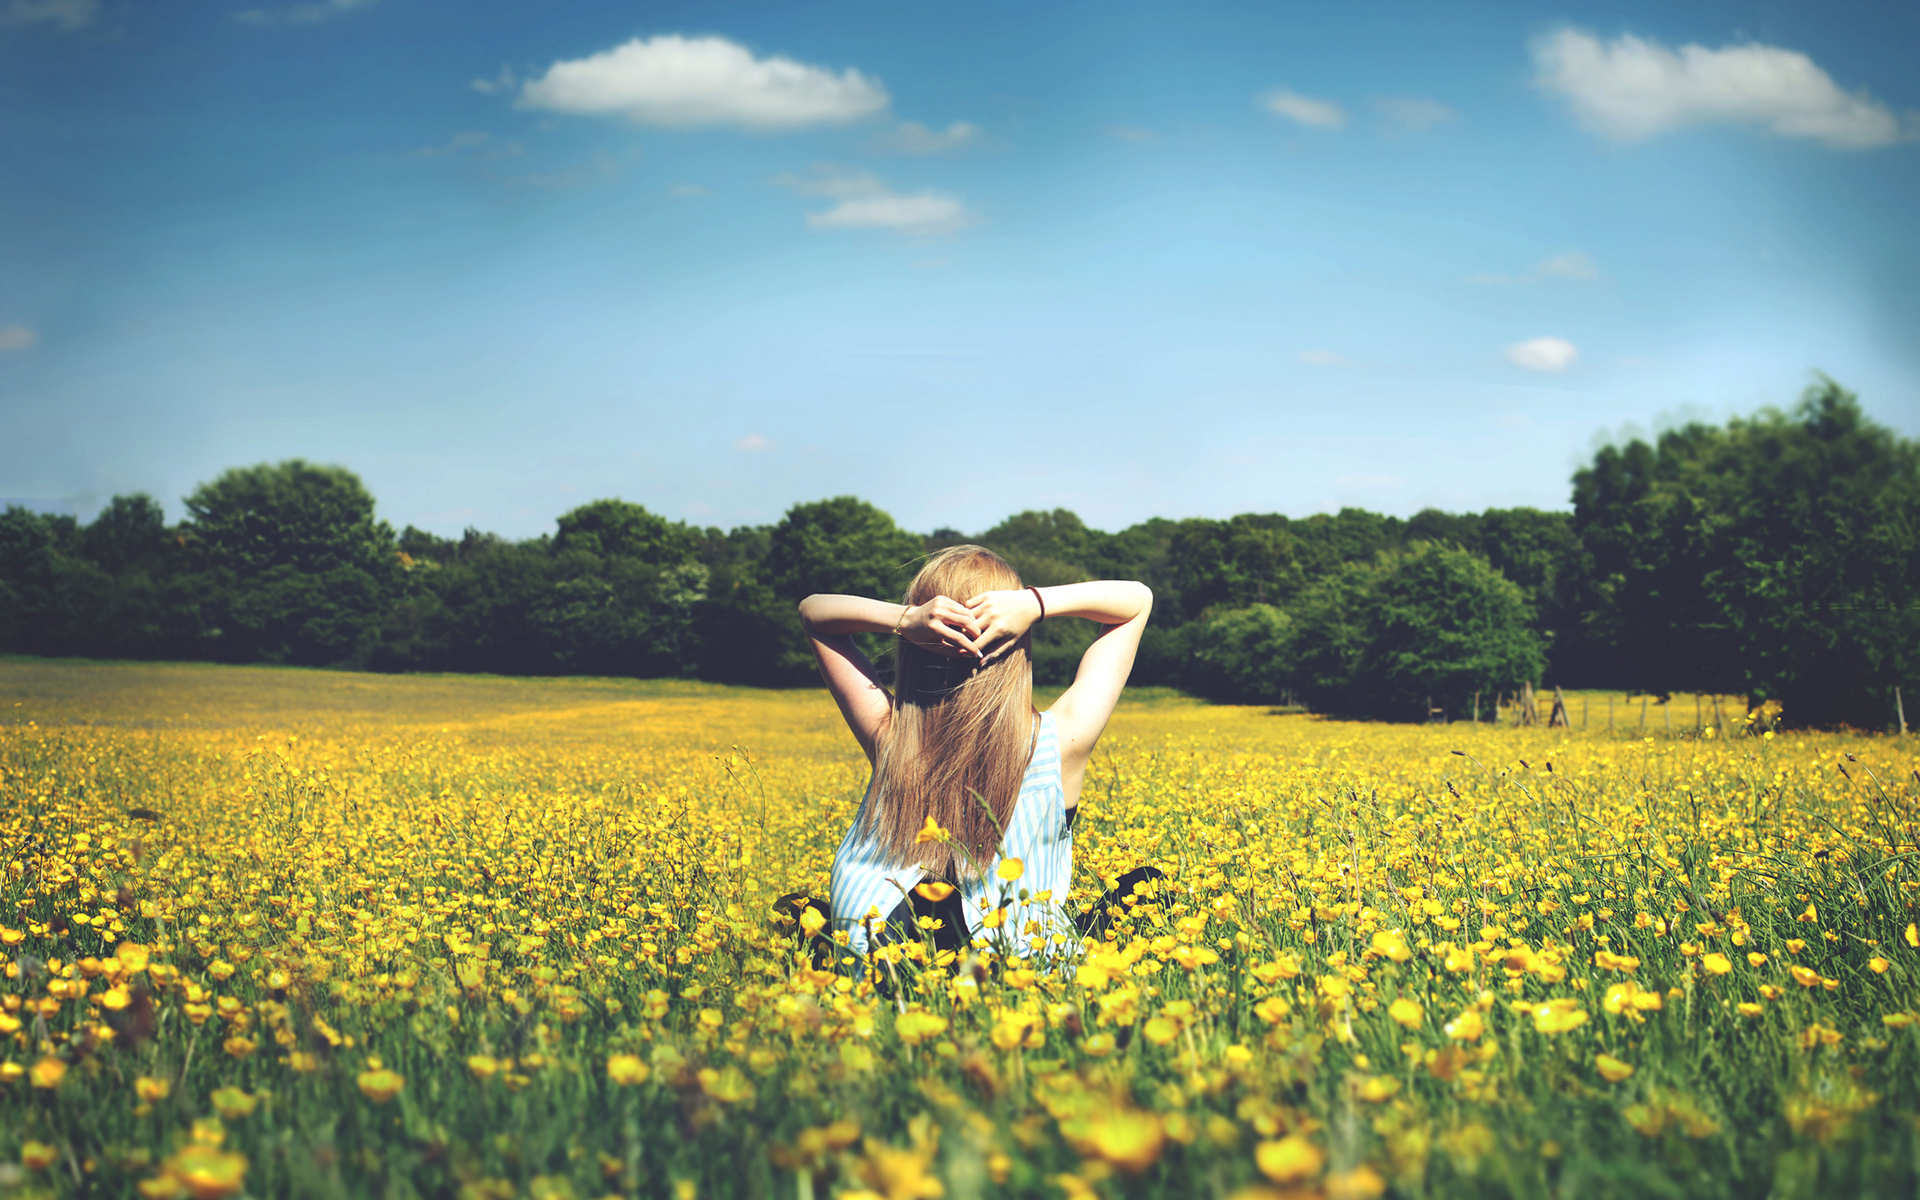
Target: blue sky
1131, 259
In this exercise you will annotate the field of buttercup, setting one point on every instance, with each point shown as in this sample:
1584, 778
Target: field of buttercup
291, 933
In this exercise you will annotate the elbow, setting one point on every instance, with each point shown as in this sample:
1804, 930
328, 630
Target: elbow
808, 609
1146, 599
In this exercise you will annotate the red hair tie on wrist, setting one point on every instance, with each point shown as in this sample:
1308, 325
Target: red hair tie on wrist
1038, 600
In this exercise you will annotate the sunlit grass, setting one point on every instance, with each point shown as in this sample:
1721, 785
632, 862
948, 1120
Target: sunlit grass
310, 933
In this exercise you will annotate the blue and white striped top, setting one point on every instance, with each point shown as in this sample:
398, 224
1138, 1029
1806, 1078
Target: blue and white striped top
866, 885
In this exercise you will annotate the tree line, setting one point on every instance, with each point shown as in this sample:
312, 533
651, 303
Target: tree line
1776, 555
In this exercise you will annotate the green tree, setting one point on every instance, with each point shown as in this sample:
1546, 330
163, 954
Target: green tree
1246, 655
292, 564
1777, 555
1431, 623
1249, 559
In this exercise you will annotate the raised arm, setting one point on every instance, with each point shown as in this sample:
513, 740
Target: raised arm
1081, 713
830, 621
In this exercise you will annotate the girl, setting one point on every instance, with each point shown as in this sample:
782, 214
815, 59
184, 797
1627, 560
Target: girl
967, 774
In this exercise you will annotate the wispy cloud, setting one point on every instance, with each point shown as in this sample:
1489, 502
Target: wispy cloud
911, 137
689, 82
472, 143
1631, 89
862, 201
17, 337
1413, 113
503, 82
301, 14
1543, 354
1304, 110
601, 168
753, 443
1326, 358
1569, 264
66, 15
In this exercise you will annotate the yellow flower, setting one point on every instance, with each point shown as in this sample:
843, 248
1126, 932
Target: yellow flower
48, 1072
1011, 869
1127, 1138
1099, 1045
1804, 977
1716, 964
132, 956
726, 1085
1466, 1027
934, 890
1160, 1031
1289, 1160
1407, 1012
917, 1026
1913, 934
1558, 1016
1361, 1183
380, 1085
151, 1090
37, 1156
1612, 1069
1377, 1089
484, 1066
811, 920
208, 1173
233, 1104
1878, 965
930, 832
1390, 943
1748, 1009
1756, 959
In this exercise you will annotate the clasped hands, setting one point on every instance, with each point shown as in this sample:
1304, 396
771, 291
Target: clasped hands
983, 628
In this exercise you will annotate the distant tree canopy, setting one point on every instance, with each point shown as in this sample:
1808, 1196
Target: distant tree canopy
1777, 555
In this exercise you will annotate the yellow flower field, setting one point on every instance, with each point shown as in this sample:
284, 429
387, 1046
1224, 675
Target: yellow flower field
305, 933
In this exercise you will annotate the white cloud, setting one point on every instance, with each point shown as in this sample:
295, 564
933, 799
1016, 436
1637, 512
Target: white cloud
17, 337
61, 14
864, 202
1315, 114
924, 215
502, 82
1568, 264
301, 14
1630, 89
911, 137
1413, 113
686, 82
1543, 354
752, 443
1325, 358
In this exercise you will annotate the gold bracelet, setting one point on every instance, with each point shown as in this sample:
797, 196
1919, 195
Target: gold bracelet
901, 619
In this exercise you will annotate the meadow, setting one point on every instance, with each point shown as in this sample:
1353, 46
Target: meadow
293, 933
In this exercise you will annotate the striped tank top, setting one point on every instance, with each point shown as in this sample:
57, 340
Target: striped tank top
866, 887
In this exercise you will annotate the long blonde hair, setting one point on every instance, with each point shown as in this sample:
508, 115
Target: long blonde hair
958, 739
